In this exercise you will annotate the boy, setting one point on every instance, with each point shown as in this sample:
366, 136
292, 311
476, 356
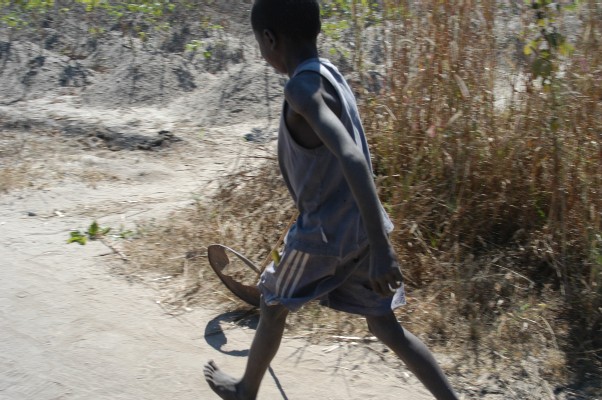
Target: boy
338, 251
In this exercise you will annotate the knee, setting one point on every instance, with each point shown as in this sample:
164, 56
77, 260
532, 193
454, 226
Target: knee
275, 313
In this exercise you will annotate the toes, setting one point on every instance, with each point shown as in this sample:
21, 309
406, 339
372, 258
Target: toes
211, 366
209, 370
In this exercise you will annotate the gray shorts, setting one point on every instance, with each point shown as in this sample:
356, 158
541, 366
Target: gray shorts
338, 283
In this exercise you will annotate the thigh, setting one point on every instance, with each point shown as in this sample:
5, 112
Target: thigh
355, 295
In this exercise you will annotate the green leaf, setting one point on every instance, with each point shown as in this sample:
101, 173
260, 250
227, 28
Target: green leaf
77, 237
566, 49
93, 229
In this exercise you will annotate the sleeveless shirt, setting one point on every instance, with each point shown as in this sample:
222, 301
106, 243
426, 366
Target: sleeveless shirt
329, 221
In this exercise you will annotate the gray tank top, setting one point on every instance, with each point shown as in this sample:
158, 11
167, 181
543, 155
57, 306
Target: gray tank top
329, 221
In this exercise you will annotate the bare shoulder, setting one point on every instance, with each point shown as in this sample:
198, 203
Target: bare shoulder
303, 89
310, 90
313, 104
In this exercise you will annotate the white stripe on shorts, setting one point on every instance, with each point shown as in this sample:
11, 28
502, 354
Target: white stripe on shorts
299, 274
284, 267
289, 270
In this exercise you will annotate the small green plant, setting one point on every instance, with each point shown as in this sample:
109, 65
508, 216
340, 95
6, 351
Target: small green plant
195, 45
94, 232
12, 20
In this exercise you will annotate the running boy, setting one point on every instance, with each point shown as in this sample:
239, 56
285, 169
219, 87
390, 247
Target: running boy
338, 251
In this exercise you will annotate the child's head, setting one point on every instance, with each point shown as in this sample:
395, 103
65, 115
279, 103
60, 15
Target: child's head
295, 19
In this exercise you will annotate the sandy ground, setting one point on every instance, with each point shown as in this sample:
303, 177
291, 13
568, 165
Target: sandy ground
71, 329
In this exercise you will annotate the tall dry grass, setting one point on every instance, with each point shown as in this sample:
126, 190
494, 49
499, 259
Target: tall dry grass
493, 177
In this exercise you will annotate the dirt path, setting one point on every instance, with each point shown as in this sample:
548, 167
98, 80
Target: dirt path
69, 329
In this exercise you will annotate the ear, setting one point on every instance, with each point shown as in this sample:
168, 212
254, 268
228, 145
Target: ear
270, 38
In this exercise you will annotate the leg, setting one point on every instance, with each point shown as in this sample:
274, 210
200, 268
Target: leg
413, 353
263, 349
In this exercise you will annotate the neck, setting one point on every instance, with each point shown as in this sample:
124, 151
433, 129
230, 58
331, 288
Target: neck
299, 52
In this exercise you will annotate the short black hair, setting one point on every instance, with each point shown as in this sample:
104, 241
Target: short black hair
297, 19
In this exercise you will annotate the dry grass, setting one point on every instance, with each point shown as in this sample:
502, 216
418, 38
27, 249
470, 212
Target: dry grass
498, 209
17, 169
13, 177
250, 211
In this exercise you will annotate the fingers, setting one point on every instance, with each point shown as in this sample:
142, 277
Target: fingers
393, 288
386, 288
385, 274
388, 284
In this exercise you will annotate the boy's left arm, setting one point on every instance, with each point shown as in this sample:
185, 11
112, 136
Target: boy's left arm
304, 95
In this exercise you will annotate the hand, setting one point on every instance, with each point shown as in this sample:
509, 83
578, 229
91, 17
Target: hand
385, 274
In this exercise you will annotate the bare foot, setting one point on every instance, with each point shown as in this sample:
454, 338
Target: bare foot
224, 385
